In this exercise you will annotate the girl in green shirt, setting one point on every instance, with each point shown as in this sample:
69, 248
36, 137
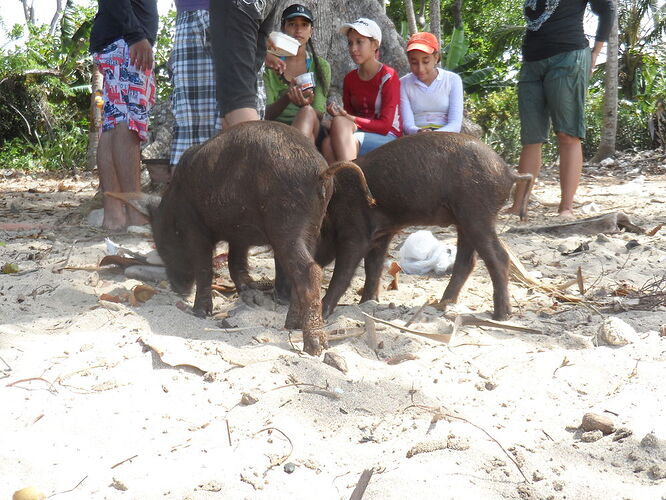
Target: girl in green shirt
285, 101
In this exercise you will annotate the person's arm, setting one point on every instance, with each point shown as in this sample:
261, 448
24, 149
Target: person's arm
390, 101
604, 9
455, 113
406, 113
132, 31
275, 103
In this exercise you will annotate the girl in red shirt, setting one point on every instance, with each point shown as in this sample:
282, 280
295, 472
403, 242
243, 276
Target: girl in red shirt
371, 98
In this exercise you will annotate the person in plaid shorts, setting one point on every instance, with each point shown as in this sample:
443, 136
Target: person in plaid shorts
194, 98
121, 41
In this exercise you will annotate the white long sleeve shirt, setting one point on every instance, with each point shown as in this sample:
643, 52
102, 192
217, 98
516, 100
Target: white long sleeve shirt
439, 104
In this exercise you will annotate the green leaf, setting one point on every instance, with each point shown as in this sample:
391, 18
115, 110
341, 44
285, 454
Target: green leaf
457, 48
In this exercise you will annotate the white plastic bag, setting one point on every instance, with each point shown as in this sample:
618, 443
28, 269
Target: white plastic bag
422, 253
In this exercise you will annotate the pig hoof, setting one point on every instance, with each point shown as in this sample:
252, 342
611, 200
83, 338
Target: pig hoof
253, 297
315, 342
502, 316
199, 312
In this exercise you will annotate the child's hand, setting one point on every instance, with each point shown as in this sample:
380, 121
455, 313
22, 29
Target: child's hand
335, 110
300, 98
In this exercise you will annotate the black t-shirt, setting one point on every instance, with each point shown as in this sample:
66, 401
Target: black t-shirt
131, 20
556, 26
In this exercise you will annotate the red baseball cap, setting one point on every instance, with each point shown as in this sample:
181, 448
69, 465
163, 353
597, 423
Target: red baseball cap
424, 42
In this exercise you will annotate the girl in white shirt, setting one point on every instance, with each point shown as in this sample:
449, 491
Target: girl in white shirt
430, 98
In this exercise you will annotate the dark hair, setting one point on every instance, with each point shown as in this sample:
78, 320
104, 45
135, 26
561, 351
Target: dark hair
317, 70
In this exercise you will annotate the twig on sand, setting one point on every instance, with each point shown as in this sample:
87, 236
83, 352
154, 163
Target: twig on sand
362, 484
442, 414
418, 312
434, 336
228, 430
322, 392
5, 371
471, 320
282, 459
67, 491
229, 330
565, 362
51, 388
126, 460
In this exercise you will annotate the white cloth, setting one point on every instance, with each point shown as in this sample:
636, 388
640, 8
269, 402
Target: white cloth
440, 103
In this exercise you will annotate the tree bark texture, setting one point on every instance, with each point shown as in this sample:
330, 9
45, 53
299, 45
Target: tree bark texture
436, 19
609, 130
456, 12
411, 17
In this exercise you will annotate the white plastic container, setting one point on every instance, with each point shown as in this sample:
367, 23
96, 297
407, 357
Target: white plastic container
306, 81
286, 45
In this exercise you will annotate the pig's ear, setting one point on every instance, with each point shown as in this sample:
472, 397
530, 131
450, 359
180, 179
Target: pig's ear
144, 203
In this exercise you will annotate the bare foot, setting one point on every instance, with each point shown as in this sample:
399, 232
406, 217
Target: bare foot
512, 210
115, 216
566, 214
136, 218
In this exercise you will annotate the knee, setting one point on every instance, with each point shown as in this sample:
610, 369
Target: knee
565, 139
306, 113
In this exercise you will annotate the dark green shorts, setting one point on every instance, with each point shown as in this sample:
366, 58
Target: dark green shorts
554, 89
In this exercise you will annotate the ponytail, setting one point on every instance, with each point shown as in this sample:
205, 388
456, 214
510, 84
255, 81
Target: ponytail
318, 72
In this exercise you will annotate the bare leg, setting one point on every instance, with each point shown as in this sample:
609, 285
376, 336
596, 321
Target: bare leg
327, 150
127, 161
115, 214
307, 122
571, 166
530, 163
239, 116
345, 146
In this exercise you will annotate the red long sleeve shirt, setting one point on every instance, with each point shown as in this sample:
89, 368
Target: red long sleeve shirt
376, 102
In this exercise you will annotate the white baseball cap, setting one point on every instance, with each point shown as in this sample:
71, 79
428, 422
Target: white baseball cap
366, 27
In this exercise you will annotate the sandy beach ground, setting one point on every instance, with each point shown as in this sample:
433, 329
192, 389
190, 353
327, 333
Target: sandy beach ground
110, 400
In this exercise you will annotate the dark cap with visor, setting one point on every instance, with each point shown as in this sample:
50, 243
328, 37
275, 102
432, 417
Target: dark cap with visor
297, 10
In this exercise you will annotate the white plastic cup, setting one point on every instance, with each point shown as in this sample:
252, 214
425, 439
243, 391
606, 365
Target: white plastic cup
306, 81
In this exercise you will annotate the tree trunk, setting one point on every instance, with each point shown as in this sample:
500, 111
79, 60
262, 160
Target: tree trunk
28, 11
609, 130
55, 20
456, 12
436, 19
95, 118
411, 18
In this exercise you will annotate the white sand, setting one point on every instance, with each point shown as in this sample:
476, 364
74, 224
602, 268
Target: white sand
99, 396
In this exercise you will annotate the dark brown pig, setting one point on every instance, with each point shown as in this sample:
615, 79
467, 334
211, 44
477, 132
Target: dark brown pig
430, 179
254, 184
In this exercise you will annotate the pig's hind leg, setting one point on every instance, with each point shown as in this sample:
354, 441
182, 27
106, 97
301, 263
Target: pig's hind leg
462, 268
490, 249
374, 264
305, 307
347, 258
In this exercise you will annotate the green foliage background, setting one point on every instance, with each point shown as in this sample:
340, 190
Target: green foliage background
45, 81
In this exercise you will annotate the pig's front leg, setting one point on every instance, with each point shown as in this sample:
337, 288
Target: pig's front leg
374, 264
203, 300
